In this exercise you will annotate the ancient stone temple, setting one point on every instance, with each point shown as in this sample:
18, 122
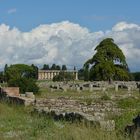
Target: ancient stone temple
49, 74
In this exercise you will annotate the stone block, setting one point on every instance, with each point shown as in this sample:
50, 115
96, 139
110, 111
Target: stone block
11, 91
29, 95
107, 125
116, 87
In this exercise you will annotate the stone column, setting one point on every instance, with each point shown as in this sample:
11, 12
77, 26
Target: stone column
78, 89
49, 75
90, 87
76, 75
116, 87
53, 74
45, 75
41, 75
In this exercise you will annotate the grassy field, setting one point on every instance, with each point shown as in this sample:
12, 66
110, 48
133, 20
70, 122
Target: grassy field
18, 123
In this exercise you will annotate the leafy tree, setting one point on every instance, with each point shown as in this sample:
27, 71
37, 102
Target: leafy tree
136, 76
58, 78
23, 76
1, 77
64, 76
5, 69
19, 70
58, 67
108, 63
53, 67
86, 74
34, 73
64, 67
45, 67
81, 74
25, 84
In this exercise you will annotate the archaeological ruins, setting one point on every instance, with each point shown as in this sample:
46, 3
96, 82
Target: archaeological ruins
49, 74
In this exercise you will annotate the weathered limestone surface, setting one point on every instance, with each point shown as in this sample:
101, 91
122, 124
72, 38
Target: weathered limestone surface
107, 125
94, 86
73, 110
11, 91
21, 100
29, 95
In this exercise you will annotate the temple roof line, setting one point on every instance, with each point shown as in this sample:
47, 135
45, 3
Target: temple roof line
57, 70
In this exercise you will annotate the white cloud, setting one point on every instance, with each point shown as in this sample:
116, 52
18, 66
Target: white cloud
124, 26
65, 43
11, 11
127, 37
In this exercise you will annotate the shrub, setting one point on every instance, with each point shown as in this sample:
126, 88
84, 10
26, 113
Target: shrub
64, 76
24, 84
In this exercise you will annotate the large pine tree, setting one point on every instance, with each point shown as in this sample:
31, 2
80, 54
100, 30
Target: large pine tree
108, 63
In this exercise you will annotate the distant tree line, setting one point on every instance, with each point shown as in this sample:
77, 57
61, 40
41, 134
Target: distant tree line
29, 71
136, 76
54, 67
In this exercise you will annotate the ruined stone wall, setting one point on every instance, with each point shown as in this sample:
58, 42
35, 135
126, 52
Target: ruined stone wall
12, 95
11, 91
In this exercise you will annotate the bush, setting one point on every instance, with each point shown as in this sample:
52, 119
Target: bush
64, 76
24, 84
58, 78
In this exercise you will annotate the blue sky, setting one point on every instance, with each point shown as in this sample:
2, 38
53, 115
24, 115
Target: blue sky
67, 31
93, 14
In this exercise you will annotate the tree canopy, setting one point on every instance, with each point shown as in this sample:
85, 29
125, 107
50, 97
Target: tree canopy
20, 70
22, 76
136, 76
45, 67
64, 76
108, 63
64, 67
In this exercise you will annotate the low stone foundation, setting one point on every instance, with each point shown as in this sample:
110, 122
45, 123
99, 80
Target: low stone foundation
72, 110
11, 95
10, 91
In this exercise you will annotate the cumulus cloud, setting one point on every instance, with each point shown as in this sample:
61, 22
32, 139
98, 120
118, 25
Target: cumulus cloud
127, 37
65, 43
